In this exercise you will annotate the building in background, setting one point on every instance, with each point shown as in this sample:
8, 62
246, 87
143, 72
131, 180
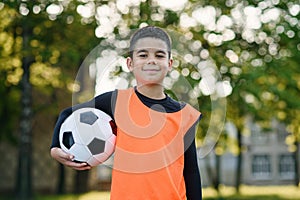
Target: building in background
267, 159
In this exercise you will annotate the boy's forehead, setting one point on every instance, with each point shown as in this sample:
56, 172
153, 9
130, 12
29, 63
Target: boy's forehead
150, 43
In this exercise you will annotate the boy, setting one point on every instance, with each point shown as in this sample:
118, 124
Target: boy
155, 155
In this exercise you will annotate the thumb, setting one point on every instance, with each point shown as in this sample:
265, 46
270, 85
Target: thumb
66, 155
71, 157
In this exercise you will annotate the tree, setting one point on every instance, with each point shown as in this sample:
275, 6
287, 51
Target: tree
35, 63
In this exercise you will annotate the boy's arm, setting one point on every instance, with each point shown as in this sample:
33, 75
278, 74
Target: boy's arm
191, 170
104, 102
62, 117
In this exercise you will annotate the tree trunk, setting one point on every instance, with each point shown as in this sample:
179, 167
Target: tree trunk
24, 181
218, 172
296, 154
81, 182
213, 172
61, 186
239, 163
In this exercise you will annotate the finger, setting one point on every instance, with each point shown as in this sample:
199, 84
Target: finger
66, 156
76, 164
81, 166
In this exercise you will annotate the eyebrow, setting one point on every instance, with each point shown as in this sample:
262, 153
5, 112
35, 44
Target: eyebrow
145, 51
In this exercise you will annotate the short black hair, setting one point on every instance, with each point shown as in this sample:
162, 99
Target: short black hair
152, 32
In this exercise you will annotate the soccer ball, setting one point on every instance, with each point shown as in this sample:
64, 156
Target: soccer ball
89, 134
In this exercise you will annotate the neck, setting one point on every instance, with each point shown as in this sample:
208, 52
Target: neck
152, 91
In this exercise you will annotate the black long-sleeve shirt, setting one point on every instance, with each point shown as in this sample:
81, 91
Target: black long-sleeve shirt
106, 103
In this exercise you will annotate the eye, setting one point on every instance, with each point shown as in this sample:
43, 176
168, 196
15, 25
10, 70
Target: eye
160, 55
142, 55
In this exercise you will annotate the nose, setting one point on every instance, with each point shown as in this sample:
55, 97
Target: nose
151, 61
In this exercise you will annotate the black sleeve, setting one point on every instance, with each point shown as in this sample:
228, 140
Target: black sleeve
191, 170
104, 102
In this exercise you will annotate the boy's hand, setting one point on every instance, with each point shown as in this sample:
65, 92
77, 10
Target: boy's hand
67, 159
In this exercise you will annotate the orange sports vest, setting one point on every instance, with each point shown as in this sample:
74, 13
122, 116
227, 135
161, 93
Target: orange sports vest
149, 153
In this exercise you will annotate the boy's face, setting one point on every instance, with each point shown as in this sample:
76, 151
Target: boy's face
150, 62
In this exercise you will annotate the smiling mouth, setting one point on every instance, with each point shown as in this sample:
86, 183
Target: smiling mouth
151, 68
151, 71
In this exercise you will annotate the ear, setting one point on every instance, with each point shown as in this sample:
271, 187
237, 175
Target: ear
129, 63
170, 64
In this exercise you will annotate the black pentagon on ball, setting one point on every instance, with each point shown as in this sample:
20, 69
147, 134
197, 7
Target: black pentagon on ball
68, 139
96, 146
88, 117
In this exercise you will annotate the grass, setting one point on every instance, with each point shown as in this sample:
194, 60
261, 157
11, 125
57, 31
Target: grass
226, 193
254, 193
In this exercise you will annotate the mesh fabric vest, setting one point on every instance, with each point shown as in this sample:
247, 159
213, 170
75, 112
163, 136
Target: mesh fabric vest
149, 154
